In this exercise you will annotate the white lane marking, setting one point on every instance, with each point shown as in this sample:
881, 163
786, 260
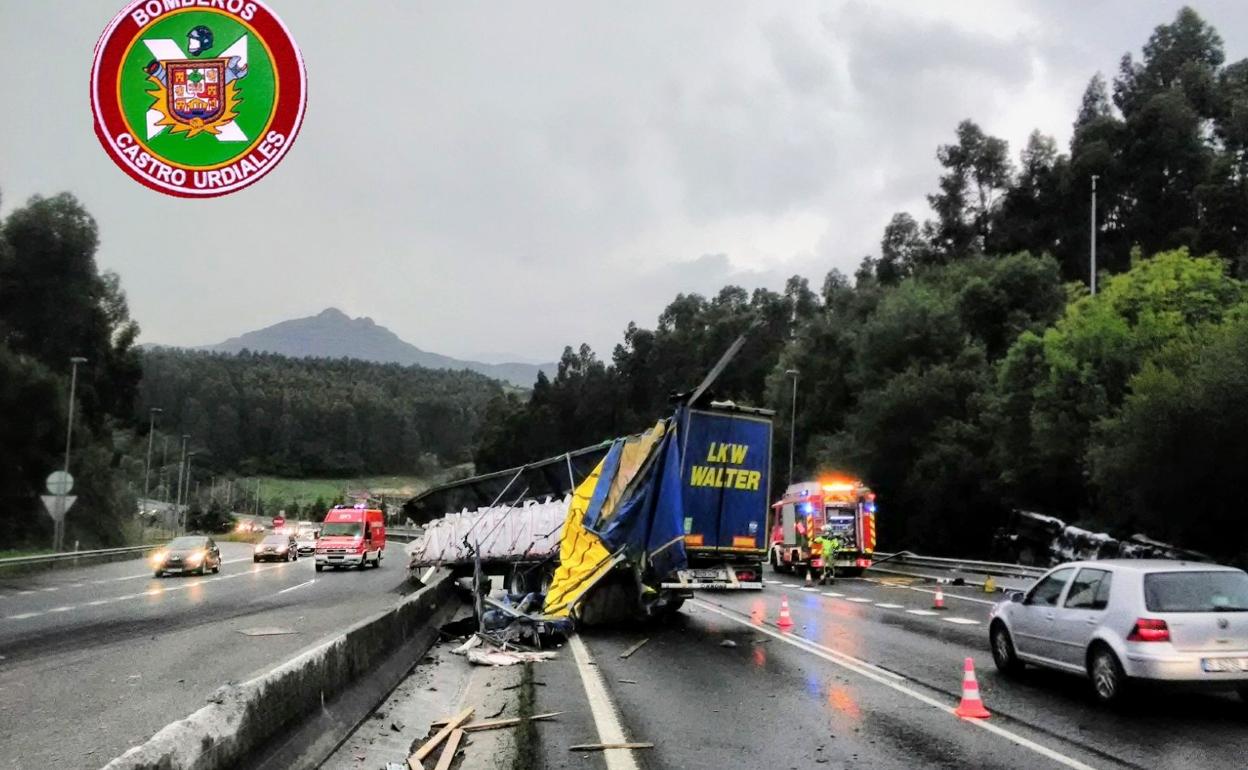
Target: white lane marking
923, 613
157, 591
606, 716
301, 585
887, 606
75, 585
24, 593
810, 588
858, 599
948, 595
961, 621
877, 674
53, 588
833, 594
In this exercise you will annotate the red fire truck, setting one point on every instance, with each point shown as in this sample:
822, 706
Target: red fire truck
843, 502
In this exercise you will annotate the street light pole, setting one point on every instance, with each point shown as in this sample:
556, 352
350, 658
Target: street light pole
792, 420
147, 466
1093, 282
177, 508
58, 528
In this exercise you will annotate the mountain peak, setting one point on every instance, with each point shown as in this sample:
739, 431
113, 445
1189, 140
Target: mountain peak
334, 334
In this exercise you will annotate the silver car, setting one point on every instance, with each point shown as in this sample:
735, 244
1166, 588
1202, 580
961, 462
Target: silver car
1119, 620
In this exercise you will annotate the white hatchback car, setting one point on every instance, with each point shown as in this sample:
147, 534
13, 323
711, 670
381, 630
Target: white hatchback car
1119, 620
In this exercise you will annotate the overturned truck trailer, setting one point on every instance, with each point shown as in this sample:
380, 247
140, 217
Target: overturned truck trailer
680, 507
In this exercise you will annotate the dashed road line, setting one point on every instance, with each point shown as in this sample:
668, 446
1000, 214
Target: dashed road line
961, 621
858, 600
923, 613
894, 681
948, 595
810, 588
301, 585
833, 594
23, 616
887, 606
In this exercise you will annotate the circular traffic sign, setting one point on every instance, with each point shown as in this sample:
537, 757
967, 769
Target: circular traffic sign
197, 98
60, 483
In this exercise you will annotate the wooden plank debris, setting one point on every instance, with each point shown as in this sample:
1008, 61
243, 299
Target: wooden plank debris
448, 753
605, 746
415, 760
634, 648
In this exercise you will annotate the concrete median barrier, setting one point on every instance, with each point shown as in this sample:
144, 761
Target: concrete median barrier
240, 719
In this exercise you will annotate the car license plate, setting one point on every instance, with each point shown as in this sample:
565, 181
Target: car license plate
174, 569
1224, 665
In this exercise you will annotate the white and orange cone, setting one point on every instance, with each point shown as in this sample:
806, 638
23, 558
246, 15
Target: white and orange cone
939, 602
971, 706
785, 622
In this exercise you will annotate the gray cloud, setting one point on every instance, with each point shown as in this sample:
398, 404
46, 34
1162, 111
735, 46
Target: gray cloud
517, 177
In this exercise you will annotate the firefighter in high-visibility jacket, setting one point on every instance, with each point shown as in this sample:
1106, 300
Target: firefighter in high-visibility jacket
826, 545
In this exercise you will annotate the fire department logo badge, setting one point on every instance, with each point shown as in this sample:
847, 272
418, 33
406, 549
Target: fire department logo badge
197, 98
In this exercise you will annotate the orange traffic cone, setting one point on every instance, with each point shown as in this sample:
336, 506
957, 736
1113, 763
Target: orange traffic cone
971, 706
939, 603
808, 578
785, 621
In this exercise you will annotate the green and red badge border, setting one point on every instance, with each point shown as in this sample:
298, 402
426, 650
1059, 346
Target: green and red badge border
163, 174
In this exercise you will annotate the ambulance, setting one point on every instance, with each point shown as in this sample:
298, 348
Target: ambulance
351, 537
843, 502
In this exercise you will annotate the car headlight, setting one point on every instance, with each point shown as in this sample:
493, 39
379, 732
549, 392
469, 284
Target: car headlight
195, 558
159, 557
259, 548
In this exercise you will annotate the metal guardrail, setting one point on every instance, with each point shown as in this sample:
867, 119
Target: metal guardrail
997, 569
403, 535
69, 556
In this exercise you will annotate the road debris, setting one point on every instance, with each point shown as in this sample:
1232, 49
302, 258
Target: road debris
634, 648
627, 681
448, 753
506, 657
414, 762
727, 643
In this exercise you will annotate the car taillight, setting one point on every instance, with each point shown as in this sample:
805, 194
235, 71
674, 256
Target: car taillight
745, 576
1149, 630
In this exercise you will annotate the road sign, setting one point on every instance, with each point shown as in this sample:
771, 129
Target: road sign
60, 483
278, 521
55, 508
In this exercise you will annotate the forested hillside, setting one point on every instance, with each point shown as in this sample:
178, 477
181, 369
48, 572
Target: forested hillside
965, 370
261, 413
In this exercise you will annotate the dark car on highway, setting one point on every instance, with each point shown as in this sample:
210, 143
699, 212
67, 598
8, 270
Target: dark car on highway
276, 548
190, 553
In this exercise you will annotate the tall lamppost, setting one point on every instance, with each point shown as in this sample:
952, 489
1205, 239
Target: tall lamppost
792, 420
177, 506
147, 466
59, 525
1093, 282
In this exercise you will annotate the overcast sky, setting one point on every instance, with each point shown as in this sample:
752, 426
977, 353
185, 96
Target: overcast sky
514, 177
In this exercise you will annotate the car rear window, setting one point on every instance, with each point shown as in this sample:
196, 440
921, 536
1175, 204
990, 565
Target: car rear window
1221, 591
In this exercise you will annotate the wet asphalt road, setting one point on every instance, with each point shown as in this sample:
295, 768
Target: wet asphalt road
864, 680
97, 659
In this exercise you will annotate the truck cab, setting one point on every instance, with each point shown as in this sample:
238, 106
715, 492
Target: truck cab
351, 537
